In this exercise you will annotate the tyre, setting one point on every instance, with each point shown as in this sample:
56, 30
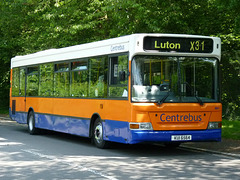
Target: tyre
98, 135
31, 124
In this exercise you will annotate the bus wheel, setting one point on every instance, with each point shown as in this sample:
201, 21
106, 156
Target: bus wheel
31, 124
98, 135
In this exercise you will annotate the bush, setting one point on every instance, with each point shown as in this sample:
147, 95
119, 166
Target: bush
230, 76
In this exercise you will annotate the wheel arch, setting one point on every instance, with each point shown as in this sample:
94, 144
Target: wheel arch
94, 117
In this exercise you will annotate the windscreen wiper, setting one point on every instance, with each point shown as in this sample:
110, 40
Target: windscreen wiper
195, 94
164, 98
199, 100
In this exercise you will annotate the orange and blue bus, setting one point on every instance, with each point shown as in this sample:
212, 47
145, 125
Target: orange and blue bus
131, 89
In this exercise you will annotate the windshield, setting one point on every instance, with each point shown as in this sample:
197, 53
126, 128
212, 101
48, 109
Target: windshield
174, 79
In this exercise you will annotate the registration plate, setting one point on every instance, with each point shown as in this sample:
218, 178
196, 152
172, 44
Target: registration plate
181, 137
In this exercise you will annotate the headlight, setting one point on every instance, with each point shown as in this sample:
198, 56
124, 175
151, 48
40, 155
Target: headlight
141, 126
214, 125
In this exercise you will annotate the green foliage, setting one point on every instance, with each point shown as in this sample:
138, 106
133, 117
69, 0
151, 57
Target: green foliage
231, 129
231, 10
230, 67
28, 26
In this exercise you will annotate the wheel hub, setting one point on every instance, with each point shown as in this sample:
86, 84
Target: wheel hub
31, 123
98, 133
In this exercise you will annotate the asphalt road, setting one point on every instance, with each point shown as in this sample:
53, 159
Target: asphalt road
60, 156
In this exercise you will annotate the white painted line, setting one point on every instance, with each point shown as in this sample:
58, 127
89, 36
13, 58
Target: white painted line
9, 143
58, 160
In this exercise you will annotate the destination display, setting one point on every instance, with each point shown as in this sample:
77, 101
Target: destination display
169, 44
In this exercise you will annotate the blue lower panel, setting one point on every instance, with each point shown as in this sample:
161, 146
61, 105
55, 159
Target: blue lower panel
118, 131
20, 117
76, 126
165, 136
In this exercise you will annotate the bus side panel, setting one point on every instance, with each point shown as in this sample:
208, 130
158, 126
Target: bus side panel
79, 127
118, 110
18, 103
73, 115
60, 124
117, 131
20, 117
17, 109
76, 126
44, 121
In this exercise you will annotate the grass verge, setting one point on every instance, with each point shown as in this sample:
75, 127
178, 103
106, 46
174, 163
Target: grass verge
231, 129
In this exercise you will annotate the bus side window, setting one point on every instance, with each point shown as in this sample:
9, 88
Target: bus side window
61, 80
22, 82
32, 81
46, 80
79, 78
15, 82
118, 76
97, 77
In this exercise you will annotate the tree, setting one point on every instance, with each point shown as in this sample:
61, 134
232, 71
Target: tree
10, 28
28, 26
230, 70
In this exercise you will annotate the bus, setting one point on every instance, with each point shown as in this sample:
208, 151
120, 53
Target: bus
139, 88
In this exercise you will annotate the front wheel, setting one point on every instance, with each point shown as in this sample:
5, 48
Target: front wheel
31, 124
98, 135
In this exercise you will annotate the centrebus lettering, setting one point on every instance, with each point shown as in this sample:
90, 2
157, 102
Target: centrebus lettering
167, 45
180, 118
117, 48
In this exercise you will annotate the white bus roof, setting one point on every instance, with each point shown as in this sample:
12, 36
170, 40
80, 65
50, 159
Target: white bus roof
129, 43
